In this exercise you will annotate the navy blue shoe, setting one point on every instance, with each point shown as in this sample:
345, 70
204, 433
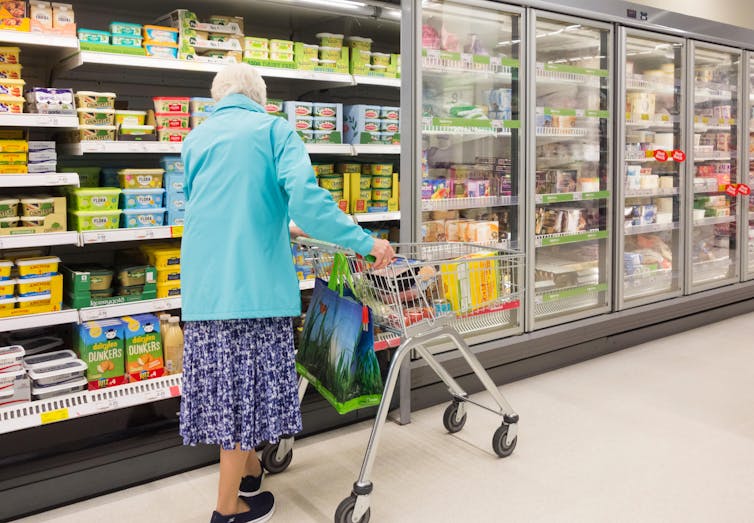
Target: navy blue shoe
251, 485
261, 509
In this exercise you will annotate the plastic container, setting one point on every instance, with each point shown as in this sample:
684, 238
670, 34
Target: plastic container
12, 71
160, 34
329, 53
254, 43
280, 56
161, 51
348, 168
6, 267
379, 169
365, 183
257, 54
135, 290
324, 110
11, 104
97, 133
172, 120
284, 46
382, 182
10, 55
201, 105
11, 87
131, 276
380, 59
37, 206
334, 183
126, 40
324, 123
49, 359
32, 267
390, 113
8, 207
198, 118
94, 36
303, 123
336, 195
7, 289
171, 104
143, 218
130, 117
141, 178
172, 135
32, 221
96, 116
330, 40
10, 357
94, 220
92, 99
142, 198
167, 276
8, 379
36, 345
359, 42
382, 195
168, 290
101, 293
130, 132
7, 304
173, 343
43, 393
100, 279
125, 29
65, 371
164, 258
34, 286
94, 199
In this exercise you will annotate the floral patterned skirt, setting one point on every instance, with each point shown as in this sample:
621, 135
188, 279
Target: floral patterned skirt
239, 383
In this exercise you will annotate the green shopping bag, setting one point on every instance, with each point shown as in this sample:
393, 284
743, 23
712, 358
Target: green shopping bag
336, 354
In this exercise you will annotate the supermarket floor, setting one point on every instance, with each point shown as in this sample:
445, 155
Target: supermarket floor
661, 432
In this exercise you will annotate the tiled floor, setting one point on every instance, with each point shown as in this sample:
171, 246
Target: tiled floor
661, 432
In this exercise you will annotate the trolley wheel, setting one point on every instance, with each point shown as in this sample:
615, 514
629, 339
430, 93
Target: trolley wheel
270, 461
344, 512
450, 418
499, 444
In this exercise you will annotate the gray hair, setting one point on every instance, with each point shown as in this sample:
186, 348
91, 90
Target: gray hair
239, 79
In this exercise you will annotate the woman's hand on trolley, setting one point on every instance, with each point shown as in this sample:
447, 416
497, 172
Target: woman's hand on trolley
383, 253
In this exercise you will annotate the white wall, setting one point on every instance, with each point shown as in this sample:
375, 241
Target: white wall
734, 12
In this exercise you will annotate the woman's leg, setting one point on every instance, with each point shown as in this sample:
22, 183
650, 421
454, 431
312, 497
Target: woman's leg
232, 466
253, 467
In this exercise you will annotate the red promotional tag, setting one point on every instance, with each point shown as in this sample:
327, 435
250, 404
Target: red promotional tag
731, 189
661, 156
744, 189
679, 156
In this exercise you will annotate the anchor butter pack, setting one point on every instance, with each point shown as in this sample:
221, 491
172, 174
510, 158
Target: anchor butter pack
143, 345
100, 345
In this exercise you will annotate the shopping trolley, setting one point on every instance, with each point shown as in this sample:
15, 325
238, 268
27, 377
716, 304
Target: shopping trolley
431, 292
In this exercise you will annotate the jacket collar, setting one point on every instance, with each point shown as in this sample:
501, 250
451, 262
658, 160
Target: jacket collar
238, 101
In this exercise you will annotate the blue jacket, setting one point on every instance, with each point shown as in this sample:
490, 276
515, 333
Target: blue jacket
248, 174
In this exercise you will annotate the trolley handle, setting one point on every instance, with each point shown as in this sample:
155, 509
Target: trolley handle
329, 247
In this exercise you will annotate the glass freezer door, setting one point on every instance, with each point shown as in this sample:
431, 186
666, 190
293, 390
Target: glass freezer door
570, 181
714, 101
748, 121
649, 260
471, 146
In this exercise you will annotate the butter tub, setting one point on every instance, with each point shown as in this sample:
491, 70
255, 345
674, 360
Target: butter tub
11, 87
37, 206
6, 266
11, 104
199, 118
201, 105
9, 222
130, 117
94, 36
143, 218
12, 356
96, 116
32, 267
172, 120
141, 178
126, 40
61, 372
161, 51
160, 34
94, 220
69, 387
37, 286
169, 289
7, 289
172, 135
330, 40
91, 199
142, 198
125, 29
92, 99
96, 133
8, 207
171, 104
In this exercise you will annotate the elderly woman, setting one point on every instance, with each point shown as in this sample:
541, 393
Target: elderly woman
247, 175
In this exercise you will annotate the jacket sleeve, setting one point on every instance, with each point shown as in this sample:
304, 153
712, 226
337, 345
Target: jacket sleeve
310, 206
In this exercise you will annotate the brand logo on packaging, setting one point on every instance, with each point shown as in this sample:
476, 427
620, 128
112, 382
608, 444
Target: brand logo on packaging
145, 200
99, 201
146, 219
99, 221
371, 113
144, 179
326, 111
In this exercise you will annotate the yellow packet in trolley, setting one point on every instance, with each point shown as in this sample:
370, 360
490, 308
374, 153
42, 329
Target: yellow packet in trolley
471, 282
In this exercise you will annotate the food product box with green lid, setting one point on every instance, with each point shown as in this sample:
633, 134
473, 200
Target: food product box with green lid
101, 345
78, 289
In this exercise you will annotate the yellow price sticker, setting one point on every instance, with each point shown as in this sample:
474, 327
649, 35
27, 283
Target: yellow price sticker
53, 416
665, 117
176, 231
645, 117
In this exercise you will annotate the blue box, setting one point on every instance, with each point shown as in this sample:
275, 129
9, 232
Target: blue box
175, 201
172, 164
142, 198
142, 218
174, 182
176, 218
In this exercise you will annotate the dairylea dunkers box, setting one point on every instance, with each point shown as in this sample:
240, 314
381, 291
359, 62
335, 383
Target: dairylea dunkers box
101, 345
143, 346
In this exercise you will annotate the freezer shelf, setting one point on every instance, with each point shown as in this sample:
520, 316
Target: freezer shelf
548, 240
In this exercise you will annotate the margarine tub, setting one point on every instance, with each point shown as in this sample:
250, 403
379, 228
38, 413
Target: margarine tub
7, 289
40, 285
365, 194
100, 278
202, 105
172, 120
171, 275
11, 104
255, 43
14, 146
92, 99
142, 198
390, 126
172, 164
132, 133
10, 55
171, 104
143, 217
102, 293
331, 183
280, 56
161, 50
6, 266
172, 135
329, 53
11, 87
365, 181
31, 267
126, 40
359, 42
158, 33
256, 54
380, 59
125, 28
130, 117
43, 393
32, 221
131, 276
382, 182
94, 220
348, 167
324, 123
136, 290
330, 40
169, 289
91, 199
141, 178
9, 222
11, 356
390, 113
8, 207
303, 123
164, 258
285, 46
323, 169
381, 195
336, 195
379, 169
12, 71
62, 372
89, 133
324, 110
199, 118
37, 206
8, 378
94, 36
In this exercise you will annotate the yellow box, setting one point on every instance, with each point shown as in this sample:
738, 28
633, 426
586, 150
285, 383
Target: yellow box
393, 203
54, 303
14, 146
470, 282
163, 258
168, 290
30, 267
7, 288
170, 275
6, 266
40, 284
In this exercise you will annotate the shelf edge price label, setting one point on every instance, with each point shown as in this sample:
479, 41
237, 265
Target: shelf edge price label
731, 189
679, 156
661, 156
53, 416
743, 189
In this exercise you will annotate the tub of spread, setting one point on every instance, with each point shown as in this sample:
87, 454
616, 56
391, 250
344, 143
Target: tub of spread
37, 206
69, 387
331, 183
329, 53
61, 372
390, 113
12, 71
160, 34
100, 278
280, 56
201, 105
14, 146
171, 104
32, 221
9, 222
31, 267
101, 293
94, 199
133, 133
348, 167
325, 110
336, 195
8, 379
255, 43
257, 54
11, 104
94, 220
141, 178
11, 357
323, 169
164, 258
126, 40
40, 361
167, 276
94, 36
360, 43
169, 289
130, 117
10, 55
390, 126
14, 169
13, 159
11, 87
372, 125
131, 276
198, 119
382, 182
326, 63
303, 123
142, 198
324, 123
161, 50
365, 182
381, 195
7, 289
284, 46
40, 285
143, 217
125, 29
172, 164
381, 59
172, 120
172, 135
379, 169
6, 266
8, 207
299, 108
330, 40
135, 290
92, 133
35, 344
92, 99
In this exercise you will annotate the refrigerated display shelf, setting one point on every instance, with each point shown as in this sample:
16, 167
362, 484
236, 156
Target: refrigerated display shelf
377, 149
376, 80
547, 240
455, 204
579, 113
57, 46
60, 121
554, 73
571, 197
714, 220
86, 403
705, 156
650, 228
367, 217
648, 193
640, 83
557, 132
703, 128
504, 129
39, 180
46, 319
569, 293
501, 72
108, 147
650, 124
47, 239
129, 309
129, 235
647, 283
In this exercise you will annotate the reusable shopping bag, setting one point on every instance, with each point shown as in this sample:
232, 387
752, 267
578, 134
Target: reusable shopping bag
336, 354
